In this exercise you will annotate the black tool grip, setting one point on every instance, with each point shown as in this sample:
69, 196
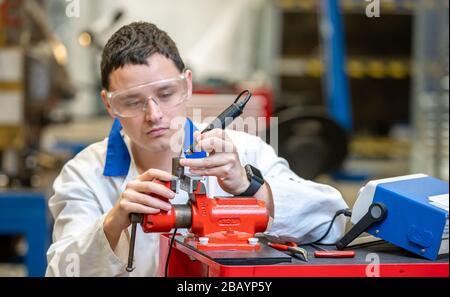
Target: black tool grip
377, 212
135, 218
225, 118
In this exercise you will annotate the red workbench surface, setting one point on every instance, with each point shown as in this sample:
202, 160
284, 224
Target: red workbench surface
382, 259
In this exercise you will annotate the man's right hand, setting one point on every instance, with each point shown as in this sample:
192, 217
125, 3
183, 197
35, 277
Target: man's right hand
138, 197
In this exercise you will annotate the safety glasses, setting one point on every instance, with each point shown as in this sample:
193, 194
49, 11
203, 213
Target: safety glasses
166, 94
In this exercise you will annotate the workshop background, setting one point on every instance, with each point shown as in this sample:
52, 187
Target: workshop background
360, 90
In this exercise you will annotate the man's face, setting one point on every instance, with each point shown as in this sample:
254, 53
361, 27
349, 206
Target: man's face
149, 130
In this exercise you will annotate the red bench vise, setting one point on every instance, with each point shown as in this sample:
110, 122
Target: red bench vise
216, 223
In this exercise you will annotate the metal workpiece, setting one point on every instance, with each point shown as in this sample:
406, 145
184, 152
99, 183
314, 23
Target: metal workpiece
185, 181
177, 169
135, 218
175, 185
190, 183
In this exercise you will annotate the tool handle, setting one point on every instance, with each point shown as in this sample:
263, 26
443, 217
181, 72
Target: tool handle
377, 212
135, 218
227, 116
334, 254
222, 121
278, 246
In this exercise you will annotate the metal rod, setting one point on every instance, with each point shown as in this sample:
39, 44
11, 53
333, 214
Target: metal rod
131, 251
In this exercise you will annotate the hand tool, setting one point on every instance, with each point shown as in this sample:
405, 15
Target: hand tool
226, 117
334, 254
323, 253
291, 247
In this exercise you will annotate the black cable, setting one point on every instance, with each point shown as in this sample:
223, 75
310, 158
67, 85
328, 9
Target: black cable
247, 98
170, 250
347, 212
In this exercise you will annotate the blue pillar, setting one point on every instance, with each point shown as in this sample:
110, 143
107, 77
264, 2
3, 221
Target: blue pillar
336, 80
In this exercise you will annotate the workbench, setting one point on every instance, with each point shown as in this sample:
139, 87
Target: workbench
186, 260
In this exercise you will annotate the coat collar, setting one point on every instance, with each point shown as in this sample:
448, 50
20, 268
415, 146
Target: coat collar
118, 157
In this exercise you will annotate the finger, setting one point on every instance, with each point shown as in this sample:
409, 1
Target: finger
216, 145
132, 207
221, 171
215, 160
153, 173
146, 200
151, 188
219, 133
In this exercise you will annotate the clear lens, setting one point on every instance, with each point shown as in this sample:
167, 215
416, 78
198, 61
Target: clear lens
166, 94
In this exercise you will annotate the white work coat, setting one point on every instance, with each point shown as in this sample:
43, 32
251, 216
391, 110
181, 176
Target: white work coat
90, 184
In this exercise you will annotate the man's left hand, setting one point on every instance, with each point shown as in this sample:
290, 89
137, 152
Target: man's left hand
222, 162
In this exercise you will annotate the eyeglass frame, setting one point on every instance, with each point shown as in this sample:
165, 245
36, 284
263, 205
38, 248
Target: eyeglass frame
109, 95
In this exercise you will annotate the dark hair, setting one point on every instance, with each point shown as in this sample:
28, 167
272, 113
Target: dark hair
133, 44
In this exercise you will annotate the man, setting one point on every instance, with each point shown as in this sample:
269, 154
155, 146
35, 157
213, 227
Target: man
146, 87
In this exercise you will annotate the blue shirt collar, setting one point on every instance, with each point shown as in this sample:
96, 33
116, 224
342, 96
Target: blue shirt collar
118, 158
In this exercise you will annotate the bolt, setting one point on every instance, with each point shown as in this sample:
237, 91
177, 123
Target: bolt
253, 241
203, 240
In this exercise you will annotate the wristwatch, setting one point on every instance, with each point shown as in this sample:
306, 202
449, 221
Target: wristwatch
256, 181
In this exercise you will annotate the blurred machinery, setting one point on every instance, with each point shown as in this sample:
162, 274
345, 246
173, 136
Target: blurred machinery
33, 79
312, 141
92, 36
376, 59
381, 68
314, 136
12, 91
430, 115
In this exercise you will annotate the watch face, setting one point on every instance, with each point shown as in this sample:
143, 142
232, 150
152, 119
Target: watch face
254, 173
